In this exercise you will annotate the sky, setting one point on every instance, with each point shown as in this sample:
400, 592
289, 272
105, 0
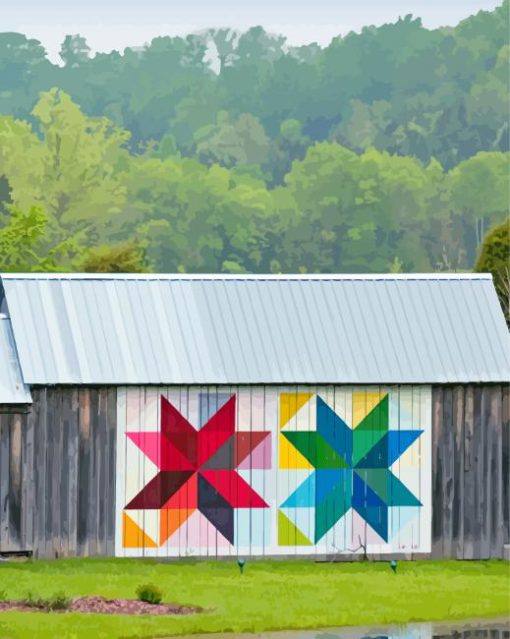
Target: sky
116, 24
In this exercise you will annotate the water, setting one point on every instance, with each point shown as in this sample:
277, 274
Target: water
478, 629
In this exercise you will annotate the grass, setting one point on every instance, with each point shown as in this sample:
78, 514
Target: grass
268, 596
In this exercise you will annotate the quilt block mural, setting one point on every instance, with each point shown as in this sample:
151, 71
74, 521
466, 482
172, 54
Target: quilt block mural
273, 471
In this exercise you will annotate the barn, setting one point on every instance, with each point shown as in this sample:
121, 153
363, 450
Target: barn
328, 416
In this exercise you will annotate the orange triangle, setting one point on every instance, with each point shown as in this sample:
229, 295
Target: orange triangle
171, 520
133, 536
290, 403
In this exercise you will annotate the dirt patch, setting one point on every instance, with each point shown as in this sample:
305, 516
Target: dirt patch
100, 605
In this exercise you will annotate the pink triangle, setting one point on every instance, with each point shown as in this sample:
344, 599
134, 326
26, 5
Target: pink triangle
260, 457
197, 532
149, 444
365, 532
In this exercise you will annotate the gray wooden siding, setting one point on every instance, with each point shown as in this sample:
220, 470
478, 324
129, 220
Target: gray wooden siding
57, 472
470, 471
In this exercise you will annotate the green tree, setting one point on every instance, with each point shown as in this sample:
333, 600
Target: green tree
127, 257
479, 195
243, 141
494, 258
74, 51
20, 239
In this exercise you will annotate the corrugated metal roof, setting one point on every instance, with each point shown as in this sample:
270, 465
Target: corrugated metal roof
12, 388
160, 329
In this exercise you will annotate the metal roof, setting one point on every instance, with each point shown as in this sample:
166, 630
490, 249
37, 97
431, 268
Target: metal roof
12, 387
244, 329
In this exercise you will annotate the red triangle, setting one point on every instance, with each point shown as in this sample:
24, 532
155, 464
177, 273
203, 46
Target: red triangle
186, 497
246, 442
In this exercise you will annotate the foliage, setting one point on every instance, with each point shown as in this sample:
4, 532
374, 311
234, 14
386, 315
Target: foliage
494, 258
20, 239
118, 258
57, 601
475, 589
227, 151
149, 593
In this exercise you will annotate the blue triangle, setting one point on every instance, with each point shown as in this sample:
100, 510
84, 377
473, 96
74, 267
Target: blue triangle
303, 496
334, 430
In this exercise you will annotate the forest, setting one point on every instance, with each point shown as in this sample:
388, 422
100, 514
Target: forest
387, 150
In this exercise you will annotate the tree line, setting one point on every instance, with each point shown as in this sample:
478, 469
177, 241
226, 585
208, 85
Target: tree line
224, 151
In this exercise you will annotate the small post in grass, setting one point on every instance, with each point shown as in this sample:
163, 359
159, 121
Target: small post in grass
393, 566
240, 563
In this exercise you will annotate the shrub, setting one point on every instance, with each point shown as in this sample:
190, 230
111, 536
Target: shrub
149, 593
58, 601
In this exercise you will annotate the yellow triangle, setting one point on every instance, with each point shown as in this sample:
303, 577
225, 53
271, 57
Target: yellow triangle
289, 534
290, 457
290, 403
362, 403
133, 536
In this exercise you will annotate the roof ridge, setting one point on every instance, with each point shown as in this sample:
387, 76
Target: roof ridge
247, 276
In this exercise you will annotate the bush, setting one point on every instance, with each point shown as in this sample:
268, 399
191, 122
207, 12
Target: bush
149, 593
58, 601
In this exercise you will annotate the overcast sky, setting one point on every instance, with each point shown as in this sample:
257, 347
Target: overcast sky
116, 24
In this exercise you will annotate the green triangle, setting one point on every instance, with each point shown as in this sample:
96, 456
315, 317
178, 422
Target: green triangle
370, 430
334, 507
388, 487
289, 534
315, 449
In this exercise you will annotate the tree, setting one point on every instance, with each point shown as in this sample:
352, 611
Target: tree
494, 258
74, 51
243, 141
82, 161
127, 257
20, 239
27, 244
479, 194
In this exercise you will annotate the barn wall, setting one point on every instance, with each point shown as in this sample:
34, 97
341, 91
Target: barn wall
471, 471
57, 474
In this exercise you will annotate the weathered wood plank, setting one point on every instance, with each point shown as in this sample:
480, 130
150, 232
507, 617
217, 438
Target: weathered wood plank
49, 484
505, 466
71, 431
484, 475
14, 496
478, 454
469, 474
84, 472
38, 418
28, 485
101, 457
111, 475
495, 472
4, 482
92, 511
437, 472
458, 463
448, 474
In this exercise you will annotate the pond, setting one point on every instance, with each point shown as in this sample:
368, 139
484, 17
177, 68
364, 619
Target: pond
477, 629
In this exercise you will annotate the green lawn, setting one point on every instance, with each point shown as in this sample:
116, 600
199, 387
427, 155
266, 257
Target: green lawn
270, 595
